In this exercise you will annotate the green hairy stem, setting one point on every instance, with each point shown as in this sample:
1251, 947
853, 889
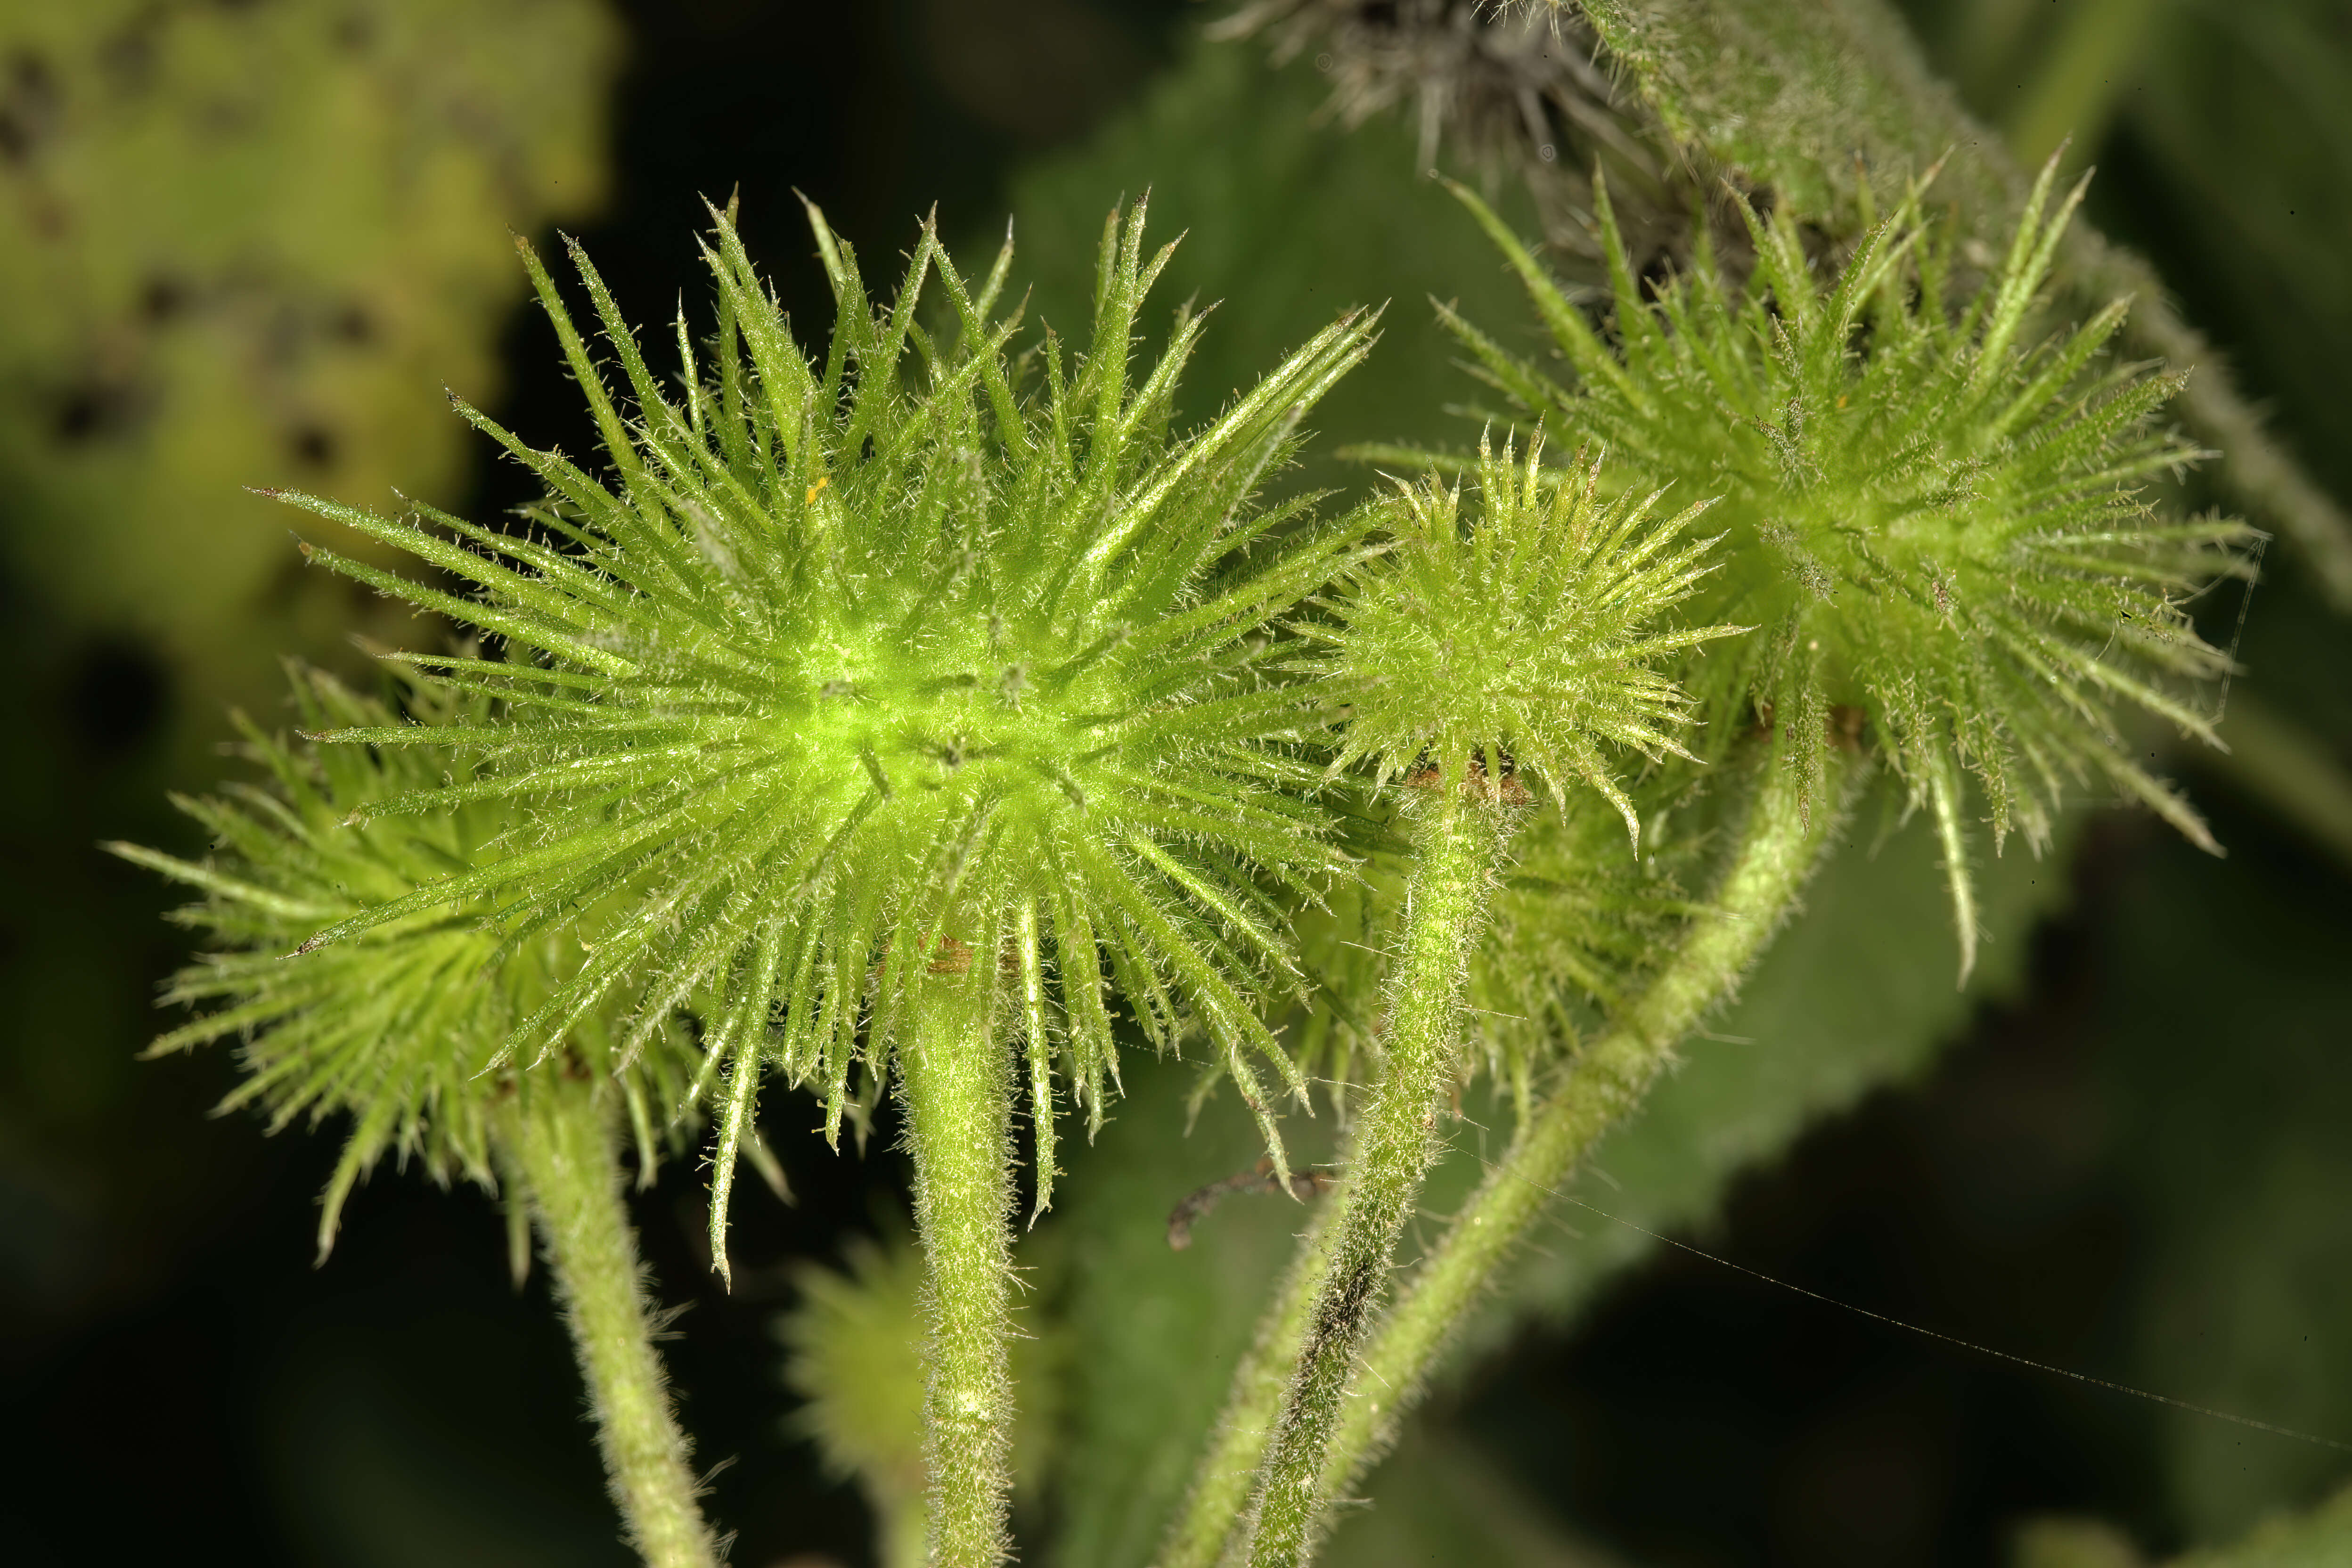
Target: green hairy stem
1221, 1485
559, 1140
1782, 843
1397, 1140
952, 1074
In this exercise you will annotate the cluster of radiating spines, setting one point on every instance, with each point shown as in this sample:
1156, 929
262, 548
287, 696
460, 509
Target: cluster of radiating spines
401, 1030
1517, 645
870, 661
1508, 652
1940, 521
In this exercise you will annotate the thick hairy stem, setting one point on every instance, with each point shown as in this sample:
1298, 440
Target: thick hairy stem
1396, 1142
561, 1146
952, 1075
1778, 851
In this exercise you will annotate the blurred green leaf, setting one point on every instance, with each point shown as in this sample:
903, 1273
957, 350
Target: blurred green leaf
2320, 1539
1444, 1501
1287, 219
261, 238
1153, 1334
2231, 1096
1856, 993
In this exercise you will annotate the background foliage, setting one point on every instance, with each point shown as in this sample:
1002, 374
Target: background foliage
248, 243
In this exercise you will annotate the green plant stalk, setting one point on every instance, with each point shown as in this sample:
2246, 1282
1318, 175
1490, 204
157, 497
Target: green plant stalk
559, 1143
1458, 838
953, 1063
2084, 68
1222, 1483
1781, 844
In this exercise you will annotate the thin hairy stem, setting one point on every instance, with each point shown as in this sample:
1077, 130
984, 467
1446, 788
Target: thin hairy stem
953, 1067
1457, 839
1220, 1485
560, 1144
1780, 846
1781, 843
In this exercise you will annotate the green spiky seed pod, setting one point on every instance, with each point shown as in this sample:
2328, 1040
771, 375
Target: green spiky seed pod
881, 700
1470, 663
852, 664
1938, 521
1508, 665
1516, 648
403, 1028
394, 1031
